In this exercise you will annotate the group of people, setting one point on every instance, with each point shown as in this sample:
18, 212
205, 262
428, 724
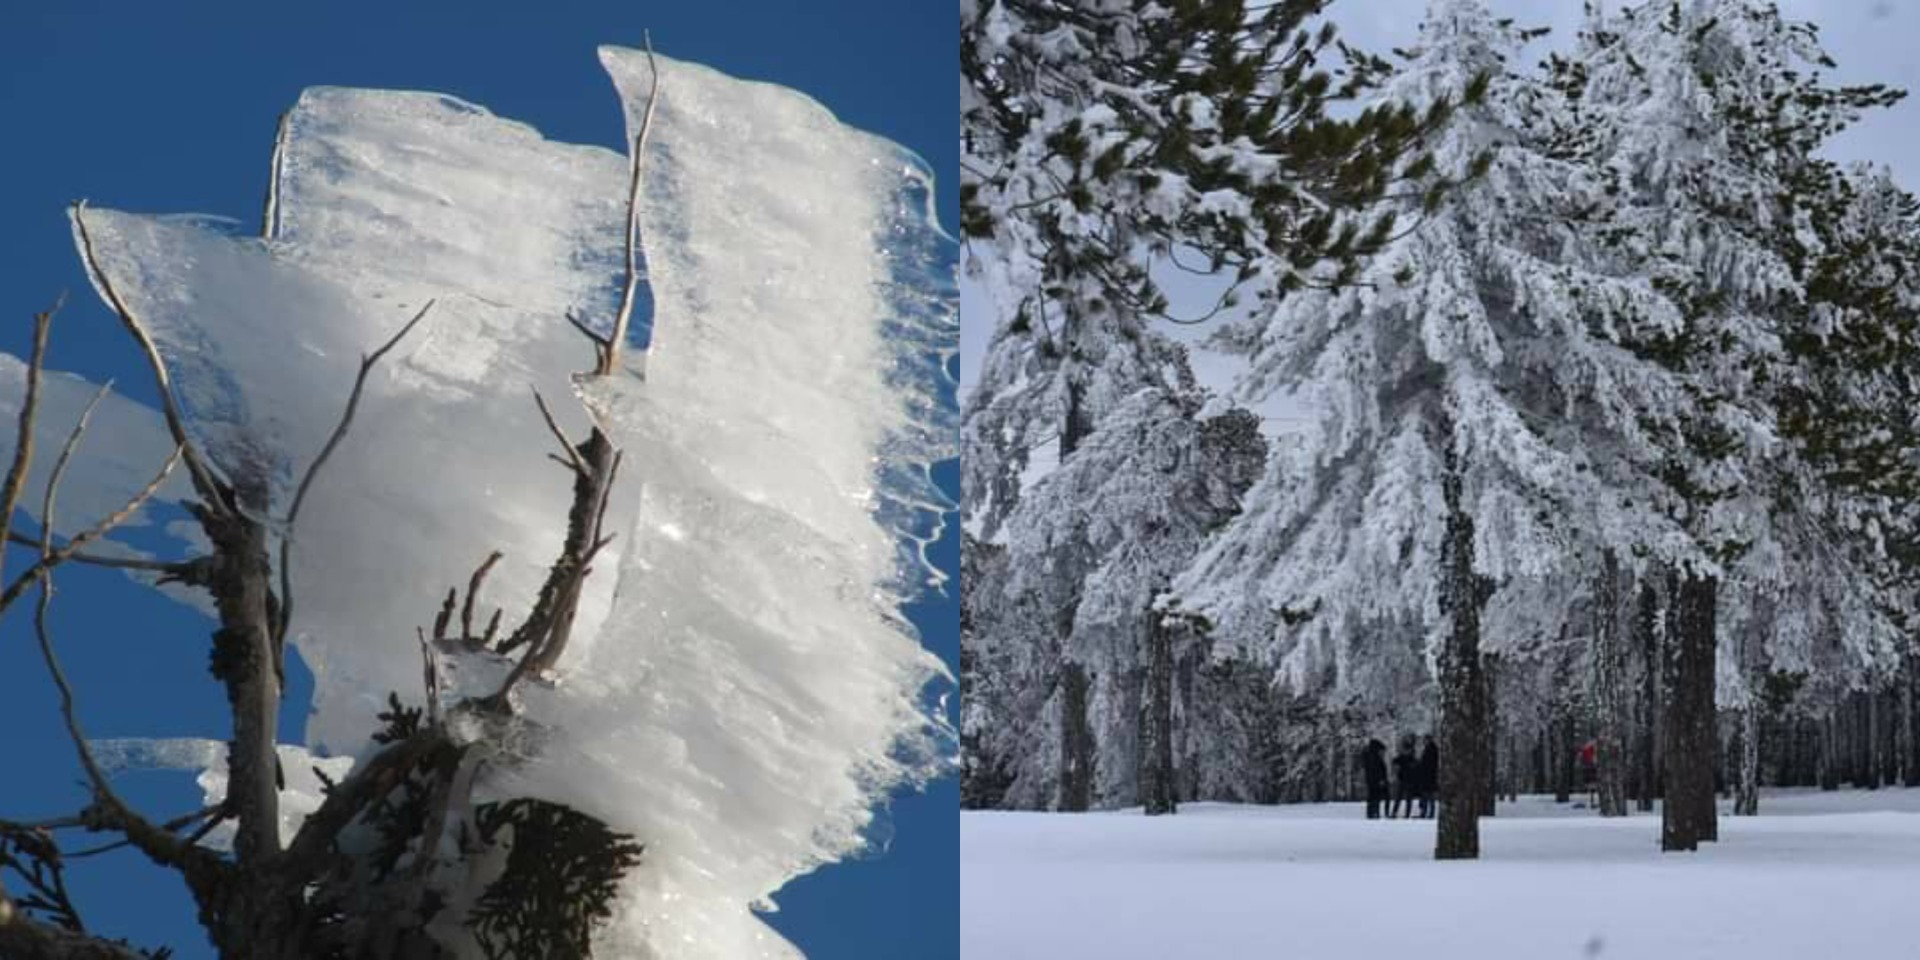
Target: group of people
1415, 778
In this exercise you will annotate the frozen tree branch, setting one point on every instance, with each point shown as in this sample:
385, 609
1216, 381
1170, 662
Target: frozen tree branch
573, 456
214, 492
610, 357
270, 217
367, 363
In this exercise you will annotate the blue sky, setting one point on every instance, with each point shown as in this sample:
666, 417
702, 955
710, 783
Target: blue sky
171, 107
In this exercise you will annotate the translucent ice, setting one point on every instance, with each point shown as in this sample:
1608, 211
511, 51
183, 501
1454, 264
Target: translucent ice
742, 689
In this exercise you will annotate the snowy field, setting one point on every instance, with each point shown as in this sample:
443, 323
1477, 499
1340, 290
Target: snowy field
1816, 875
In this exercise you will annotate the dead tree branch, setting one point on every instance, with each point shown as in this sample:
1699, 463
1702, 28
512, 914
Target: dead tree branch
610, 357
108, 810
367, 363
210, 488
473, 591
174, 569
573, 456
594, 461
19, 584
29, 408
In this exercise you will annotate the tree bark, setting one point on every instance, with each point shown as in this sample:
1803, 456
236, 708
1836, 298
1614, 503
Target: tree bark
1688, 815
1646, 627
1463, 739
1871, 758
1746, 801
1490, 722
1156, 717
1904, 741
1610, 690
1828, 759
23, 938
1076, 740
1563, 750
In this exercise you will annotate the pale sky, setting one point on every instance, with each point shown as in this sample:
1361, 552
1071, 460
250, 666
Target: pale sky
1873, 40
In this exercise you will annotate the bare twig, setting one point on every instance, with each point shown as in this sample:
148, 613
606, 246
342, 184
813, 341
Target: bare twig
367, 363
610, 357
445, 616
101, 788
599, 342
573, 456
217, 811
473, 591
19, 584
29, 407
158, 844
174, 568
432, 678
270, 218
209, 487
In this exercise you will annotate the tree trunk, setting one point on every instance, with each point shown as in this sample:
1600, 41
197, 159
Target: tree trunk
1610, 690
1463, 738
1828, 760
1688, 815
1904, 737
1076, 740
1563, 750
1646, 628
1156, 718
1871, 756
1490, 723
1747, 799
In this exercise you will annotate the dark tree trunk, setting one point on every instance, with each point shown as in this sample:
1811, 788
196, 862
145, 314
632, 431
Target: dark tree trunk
1564, 748
1463, 737
1610, 693
1905, 737
1646, 629
1078, 421
1746, 801
1076, 740
1490, 722
1871, 752
1688, 815
1156, 717
1828, 762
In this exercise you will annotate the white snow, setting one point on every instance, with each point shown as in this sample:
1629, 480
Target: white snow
1816, 875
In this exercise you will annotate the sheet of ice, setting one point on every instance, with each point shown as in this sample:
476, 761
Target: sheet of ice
1816, 875
758, 692
386, 200
301, 795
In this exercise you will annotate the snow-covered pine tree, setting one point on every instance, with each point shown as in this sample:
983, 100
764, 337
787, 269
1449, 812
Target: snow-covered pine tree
1087, 553
1096, 139
1705, 127
1479, 351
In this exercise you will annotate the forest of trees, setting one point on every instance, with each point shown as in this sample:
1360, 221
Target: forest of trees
1607, 382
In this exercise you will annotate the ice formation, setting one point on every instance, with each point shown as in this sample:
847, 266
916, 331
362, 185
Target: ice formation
742, 689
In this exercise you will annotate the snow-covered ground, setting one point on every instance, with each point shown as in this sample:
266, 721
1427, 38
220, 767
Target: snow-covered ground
1816, 875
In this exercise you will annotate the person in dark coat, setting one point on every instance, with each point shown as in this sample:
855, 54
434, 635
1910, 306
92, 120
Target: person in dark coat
1373, 762
1406, 781
1427, 772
